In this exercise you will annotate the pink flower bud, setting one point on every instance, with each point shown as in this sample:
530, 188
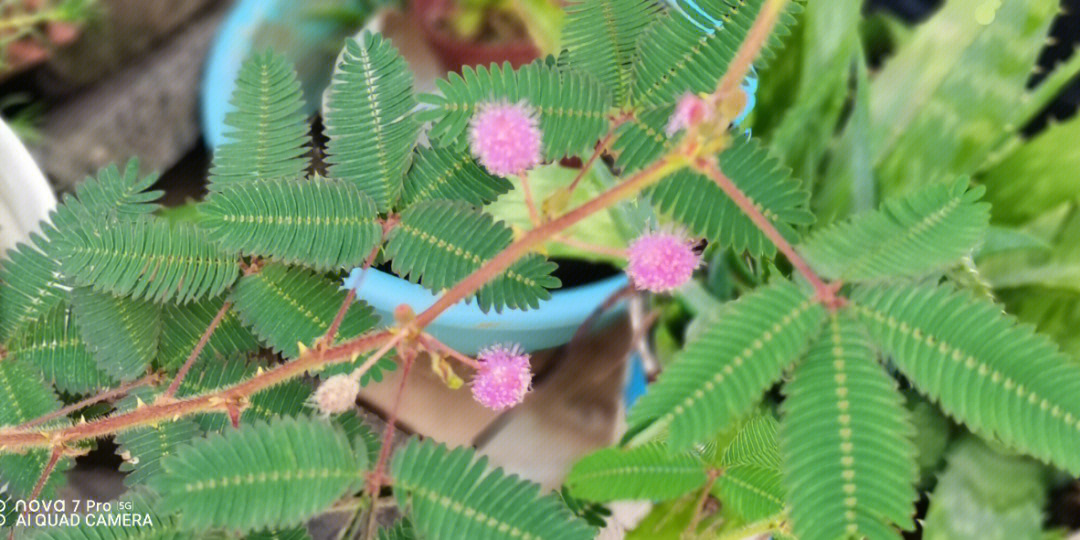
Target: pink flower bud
505, 138
690, 111
661, 261
336, 394
503, 377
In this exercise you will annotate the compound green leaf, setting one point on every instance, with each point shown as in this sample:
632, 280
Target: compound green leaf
24, 396
451, 494
750, 483
914, 235
269, 133
645, 472
121, 333
849, 463
184, 325
320, 223
439, 243
149, 259
285, 306
1001, 379
143, 447
54, 345
601, 38
441, 173
368, 115
274, 474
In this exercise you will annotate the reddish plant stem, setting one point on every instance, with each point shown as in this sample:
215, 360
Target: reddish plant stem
744, 58
175, 384
375, 481
430, 343
699, 505
50, 466
541, 234
170, 409
331, 332
103, 396
826, 293
597, 152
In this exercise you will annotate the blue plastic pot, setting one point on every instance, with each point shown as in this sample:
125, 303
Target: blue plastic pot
463, 326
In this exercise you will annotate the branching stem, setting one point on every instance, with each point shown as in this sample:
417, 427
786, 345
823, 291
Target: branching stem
103, 396
175, 384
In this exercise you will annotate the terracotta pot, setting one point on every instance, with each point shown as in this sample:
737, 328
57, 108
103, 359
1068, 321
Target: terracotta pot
454, 53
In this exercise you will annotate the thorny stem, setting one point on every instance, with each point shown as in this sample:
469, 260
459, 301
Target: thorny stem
103, 396
536, 237
50, 466
175, 384
376, 478
169, 410
826, 293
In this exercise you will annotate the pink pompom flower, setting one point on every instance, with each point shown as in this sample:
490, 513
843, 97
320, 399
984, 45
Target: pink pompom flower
691, 110
506, 138
661, 261
336, 394
503, 377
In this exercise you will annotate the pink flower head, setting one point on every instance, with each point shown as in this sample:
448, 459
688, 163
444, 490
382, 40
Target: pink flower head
336, 394
503, 377
505, 138
661, 261
690, 111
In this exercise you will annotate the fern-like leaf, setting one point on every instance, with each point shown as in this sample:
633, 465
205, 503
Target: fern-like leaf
1001, 379
572, 107
440, 173
284, 306
121, 333
439, 243
642, 138
645, 472
451, 494
272, 474
368, 115
269, 132
913, 235
849, 462
54, 346
149, 259
25, 396
184, 325
676, 55
30, 282
721, 374
601, 38
323, 224
697, 202
751, 483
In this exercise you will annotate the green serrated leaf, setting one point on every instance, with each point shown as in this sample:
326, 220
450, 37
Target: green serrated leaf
184, 325
321, 223
439, 243
121, 333
285, 306
698, 203
1001, 379
441, 173
915, 235
54, 345
273, 474
269, 133
147, 259
24, 396
601, 38
849, 463
368, 115
645, 472
720, 375
452, 494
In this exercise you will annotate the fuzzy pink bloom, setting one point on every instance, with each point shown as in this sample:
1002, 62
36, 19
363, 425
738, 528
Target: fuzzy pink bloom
690, 111
336, 394
505, 138
661, 261
503, 377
